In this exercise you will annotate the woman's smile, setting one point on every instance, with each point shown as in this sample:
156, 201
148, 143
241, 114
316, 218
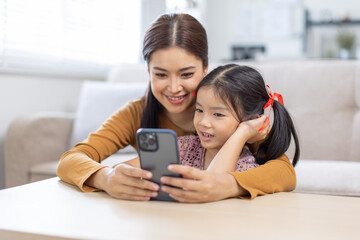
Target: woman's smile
176, 99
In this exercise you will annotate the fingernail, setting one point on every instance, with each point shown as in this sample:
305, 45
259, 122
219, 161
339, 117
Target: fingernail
163, 179
155, 187
154, 194
164, 188
148, 175
170, 167
147, 198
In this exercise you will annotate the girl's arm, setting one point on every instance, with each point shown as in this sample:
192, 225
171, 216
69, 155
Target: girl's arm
226, 159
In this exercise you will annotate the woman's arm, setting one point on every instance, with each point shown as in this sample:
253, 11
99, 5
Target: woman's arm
84, 159
202, 186
276, 175
81, 165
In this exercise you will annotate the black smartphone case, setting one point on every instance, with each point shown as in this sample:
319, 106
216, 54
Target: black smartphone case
158, 159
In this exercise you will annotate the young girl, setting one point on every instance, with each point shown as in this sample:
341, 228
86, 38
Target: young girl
226, 99
176, 52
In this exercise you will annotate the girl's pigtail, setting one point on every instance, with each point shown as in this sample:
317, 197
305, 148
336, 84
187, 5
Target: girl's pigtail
279, 138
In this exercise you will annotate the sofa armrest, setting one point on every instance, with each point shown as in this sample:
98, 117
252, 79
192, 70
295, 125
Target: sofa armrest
32, 140
328, 177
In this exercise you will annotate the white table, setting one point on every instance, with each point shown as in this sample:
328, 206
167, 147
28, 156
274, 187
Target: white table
52, 209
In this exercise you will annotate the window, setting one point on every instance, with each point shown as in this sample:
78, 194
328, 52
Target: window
81, 38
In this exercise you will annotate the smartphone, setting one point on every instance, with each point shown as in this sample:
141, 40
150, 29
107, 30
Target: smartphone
158, 148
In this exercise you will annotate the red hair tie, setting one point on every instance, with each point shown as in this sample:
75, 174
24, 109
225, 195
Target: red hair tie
270, 103
194, 94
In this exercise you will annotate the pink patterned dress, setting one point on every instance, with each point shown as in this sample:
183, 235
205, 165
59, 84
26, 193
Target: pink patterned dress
192, 154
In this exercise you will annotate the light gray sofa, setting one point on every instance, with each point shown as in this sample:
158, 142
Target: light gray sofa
323, 97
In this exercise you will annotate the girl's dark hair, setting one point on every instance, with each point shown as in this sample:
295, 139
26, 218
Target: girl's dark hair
180, 30
243, 88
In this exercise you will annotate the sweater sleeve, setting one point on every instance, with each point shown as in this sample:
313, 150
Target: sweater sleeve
84, 159
274, 176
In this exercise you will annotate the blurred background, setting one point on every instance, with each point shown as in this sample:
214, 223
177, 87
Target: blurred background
48, 48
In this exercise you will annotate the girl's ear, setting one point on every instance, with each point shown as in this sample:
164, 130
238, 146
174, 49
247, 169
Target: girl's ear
251, 117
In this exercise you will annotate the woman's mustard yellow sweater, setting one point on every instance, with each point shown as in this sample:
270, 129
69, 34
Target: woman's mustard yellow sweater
84, 159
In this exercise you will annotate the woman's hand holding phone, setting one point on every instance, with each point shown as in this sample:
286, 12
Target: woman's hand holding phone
126, 182
200, 185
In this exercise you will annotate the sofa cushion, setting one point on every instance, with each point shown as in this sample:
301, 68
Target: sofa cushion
34, 139
98, 100
323, 97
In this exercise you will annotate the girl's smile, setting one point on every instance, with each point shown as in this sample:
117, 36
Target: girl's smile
204, 136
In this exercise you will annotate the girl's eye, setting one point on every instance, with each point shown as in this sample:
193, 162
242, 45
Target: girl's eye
219, 115
160, 75
198, 110
187, 75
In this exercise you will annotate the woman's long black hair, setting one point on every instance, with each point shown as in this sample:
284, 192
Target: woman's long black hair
243, 88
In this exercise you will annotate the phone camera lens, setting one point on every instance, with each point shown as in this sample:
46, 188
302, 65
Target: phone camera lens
144, 145
142, 137
151, 142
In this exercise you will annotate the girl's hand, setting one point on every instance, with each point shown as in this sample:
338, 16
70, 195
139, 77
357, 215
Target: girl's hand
251, 129
200, 186
126, 182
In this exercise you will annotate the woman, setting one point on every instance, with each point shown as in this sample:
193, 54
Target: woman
175, 49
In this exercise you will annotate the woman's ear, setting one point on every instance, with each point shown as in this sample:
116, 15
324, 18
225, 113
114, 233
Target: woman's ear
205, 70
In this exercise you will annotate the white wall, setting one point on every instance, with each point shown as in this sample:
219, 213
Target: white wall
150, 11
277, 24
222, 23
22, 95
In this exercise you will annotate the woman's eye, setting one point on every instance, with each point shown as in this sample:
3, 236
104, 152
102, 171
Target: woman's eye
160, 75
187, 75
198, 110
219, 115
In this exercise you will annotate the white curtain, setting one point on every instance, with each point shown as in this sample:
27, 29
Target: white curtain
81, 38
